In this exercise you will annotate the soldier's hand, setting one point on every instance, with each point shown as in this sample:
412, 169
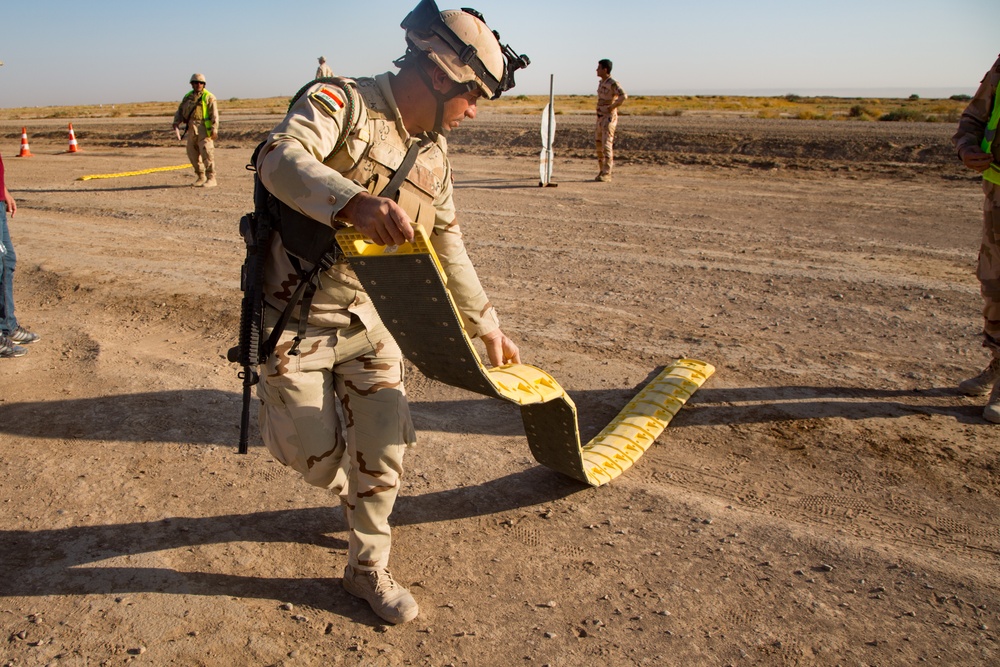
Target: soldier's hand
215, 135
380, 219
500, 349
974, 158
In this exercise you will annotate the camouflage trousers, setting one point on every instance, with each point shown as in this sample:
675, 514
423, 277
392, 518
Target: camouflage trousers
337, 414
605, 138
988, 270
201, 150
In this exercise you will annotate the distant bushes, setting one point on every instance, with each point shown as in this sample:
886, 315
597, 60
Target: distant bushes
809, 114
861, 112
905, 115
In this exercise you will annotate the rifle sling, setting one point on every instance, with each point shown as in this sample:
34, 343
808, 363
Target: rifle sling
312, 241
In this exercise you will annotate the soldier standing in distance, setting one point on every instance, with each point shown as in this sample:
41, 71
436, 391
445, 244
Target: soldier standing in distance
323, 71
979, 151
199, 113
338, 350
610, 96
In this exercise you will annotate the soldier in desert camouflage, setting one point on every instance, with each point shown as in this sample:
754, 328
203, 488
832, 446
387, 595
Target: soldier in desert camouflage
979, 151
333, 405
199, 113
610, 96
323, 71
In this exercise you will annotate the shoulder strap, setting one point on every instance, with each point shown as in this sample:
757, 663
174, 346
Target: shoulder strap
392, 187
353, 112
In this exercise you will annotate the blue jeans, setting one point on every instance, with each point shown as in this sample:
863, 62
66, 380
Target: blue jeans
7, 261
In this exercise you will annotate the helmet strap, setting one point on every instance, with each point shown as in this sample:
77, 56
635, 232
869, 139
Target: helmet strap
441, 98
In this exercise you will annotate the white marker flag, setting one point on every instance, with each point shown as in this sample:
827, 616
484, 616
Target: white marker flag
548, 134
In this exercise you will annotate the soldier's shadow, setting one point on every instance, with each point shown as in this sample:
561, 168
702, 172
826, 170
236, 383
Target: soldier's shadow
69, 561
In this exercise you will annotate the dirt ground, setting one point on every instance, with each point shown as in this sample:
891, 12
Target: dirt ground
825, 499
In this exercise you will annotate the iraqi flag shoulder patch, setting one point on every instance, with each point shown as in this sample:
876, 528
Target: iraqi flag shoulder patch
329, 99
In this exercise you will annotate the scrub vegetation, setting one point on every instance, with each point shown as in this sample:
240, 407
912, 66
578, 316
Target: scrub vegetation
791, 106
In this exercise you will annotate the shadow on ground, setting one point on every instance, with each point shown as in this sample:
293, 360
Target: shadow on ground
211, 417
59, 561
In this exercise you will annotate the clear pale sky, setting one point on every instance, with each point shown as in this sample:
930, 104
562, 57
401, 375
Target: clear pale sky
58, 52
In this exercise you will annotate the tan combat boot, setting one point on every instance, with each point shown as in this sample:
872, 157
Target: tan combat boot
991, 412
200, 181
982, 383
210, 181
389, 600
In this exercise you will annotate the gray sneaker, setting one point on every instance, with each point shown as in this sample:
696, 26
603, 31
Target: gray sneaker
389, 600
982, 383
991, 412
9, 350
22, 336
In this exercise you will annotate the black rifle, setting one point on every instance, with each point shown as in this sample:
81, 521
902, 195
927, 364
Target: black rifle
303, 237
256, 230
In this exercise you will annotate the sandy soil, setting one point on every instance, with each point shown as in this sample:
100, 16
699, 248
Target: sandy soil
826, 498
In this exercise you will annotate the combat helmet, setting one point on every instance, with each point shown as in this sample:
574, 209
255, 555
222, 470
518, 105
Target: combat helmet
464, 47
197, 78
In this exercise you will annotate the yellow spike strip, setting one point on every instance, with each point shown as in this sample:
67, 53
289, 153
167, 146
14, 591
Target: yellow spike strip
123, 174
549, 413
687, 375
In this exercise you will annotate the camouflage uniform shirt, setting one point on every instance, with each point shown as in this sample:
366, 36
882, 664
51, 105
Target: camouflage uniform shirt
607, 91
299, 166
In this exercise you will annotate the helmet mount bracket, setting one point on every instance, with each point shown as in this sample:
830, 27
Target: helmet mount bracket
425, 19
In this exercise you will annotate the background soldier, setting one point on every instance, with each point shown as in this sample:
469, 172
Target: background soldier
199, 114
980, 152
338, 349
610, 96
323, 71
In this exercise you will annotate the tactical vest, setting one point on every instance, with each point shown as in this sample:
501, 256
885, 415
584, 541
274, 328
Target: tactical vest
203, 102
370, 152
378, 150
993, 173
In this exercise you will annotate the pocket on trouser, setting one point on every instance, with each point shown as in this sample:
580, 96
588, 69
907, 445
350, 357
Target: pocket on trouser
300, 426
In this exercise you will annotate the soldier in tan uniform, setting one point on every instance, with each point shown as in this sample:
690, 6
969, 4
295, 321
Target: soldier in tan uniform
199, 113
323, 71
979, 151
610, 96
333, 404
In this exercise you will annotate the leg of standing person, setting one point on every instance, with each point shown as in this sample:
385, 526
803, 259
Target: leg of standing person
599, 138
207, 148
7, 320
609, 145
988, 272
194, 155
301, 429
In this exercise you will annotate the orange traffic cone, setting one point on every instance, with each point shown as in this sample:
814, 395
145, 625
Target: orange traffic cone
73, 148
25, 148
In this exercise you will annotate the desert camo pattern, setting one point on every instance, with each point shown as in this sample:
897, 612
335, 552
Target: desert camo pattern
336, 412
200, 146
971, 128
324, 71
607, 122
298, 164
